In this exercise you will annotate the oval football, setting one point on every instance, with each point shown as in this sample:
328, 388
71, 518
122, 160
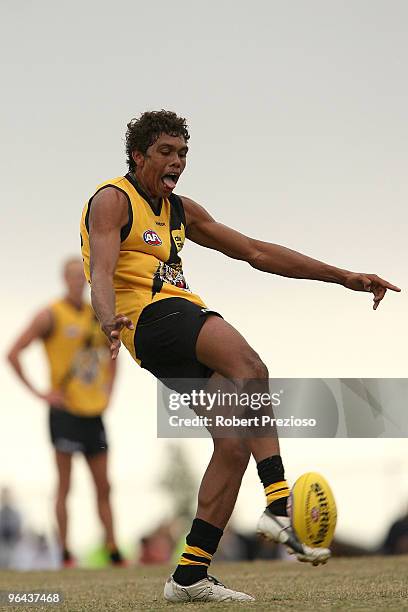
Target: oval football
312, 510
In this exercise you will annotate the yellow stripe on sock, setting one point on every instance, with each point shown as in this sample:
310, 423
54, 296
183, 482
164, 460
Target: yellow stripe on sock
198, 552
184, 561
274, 496
275, 486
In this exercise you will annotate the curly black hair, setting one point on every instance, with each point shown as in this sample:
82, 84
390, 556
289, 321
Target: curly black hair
141, 133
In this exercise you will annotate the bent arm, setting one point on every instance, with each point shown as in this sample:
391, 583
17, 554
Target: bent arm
39, 327
107, 217
109, 213
264, 256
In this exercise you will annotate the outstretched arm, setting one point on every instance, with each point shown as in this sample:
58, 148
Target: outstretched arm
108, 215
273, 258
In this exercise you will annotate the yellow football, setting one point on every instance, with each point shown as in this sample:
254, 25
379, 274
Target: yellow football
312, 510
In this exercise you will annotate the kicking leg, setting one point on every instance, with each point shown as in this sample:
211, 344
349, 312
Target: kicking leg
232, 357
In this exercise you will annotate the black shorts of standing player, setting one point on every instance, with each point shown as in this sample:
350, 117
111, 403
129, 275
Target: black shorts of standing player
71, 433
165, 341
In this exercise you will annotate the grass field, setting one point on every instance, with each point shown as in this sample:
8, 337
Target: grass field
373, 583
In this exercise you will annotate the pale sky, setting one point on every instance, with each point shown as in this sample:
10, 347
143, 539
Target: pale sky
298, 125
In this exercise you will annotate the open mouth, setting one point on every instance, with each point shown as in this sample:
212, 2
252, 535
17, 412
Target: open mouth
170, 180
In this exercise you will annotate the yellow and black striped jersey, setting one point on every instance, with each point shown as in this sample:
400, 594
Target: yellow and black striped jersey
149, 267
79, 358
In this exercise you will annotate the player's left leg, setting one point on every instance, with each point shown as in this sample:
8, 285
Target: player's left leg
216, 500
63, 462
98, 465
224, 351
222, 480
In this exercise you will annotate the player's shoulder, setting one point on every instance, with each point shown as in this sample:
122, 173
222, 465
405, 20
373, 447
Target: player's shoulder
43, 321
194, 212
56, 310
108, 193
115, 189
187, 203
185, 199
54, 305
118, 182
111, 199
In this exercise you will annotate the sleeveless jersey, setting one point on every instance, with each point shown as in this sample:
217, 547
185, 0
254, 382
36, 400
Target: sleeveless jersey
149, 267
79, 358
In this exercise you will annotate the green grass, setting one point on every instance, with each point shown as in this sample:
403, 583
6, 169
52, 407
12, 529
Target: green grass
371, 583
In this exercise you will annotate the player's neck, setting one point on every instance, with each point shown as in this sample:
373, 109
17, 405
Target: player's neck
75, 301
155, 200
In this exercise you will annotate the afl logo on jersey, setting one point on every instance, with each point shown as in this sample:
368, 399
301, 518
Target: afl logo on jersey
150, 237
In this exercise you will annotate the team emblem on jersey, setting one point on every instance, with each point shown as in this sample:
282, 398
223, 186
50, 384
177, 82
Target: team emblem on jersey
150, 237
72, 331
172, 274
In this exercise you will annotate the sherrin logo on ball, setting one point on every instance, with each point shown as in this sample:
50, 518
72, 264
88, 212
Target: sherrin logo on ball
150, 237
312, 510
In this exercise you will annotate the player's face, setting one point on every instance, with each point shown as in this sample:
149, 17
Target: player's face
160, 168
75, 278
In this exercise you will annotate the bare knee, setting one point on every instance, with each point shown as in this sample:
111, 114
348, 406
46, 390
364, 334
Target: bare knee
103, 490
252, 367
233, 452
258, 369
62, 493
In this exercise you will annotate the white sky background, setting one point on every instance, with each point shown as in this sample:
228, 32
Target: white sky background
298, 120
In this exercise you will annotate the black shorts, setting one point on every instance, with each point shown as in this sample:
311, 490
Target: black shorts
166, 336
71, 433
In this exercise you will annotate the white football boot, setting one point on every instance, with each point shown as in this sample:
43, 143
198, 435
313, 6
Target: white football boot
278, 529
207, 589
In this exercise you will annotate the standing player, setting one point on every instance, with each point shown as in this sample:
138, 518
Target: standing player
82, 376
132, 230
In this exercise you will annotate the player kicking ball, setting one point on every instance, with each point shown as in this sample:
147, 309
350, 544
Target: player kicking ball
132, 231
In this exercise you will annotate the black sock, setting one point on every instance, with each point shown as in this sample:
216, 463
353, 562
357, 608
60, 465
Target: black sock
115, 557
201, 544
272, 475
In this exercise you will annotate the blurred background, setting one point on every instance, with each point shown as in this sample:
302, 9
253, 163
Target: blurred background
298, 123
